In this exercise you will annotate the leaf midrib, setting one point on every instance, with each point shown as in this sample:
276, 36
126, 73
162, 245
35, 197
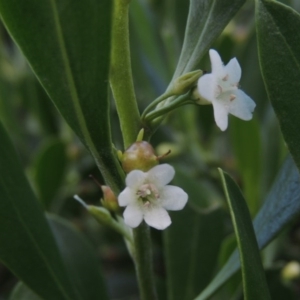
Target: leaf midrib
71, 84
202, 33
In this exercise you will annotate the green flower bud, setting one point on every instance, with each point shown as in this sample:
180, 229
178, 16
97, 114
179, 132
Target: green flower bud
184, 83
139, 156
104, 217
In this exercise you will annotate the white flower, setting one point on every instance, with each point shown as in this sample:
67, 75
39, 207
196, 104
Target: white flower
147, 196
221, 89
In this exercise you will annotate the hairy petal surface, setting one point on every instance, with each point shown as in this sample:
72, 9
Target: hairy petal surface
242, 106
161, 175
173, 198
126, 197
135, 179
221, 115
133, 215
157, 217
206, 87
234, 71
217, 67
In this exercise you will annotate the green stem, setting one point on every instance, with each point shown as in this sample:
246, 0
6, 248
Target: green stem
121, 75
155, 102
123, 91
182, 100
143, 262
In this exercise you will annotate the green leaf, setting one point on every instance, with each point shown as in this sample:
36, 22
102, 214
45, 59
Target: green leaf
22, 292
279, 208
67, 44
28, 248
148, 37
279, 53
254, 280
80, 259
191, 246
40, 105
49, 170
274, 150
247, 148
206, 20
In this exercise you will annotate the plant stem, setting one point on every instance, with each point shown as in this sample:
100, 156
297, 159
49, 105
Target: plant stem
122, 86
121, 75
143, 262
155, 102
182, 100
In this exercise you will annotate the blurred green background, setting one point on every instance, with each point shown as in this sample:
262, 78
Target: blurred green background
58, 166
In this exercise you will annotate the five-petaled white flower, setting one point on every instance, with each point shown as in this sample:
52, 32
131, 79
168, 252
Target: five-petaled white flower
147, 196
221, 89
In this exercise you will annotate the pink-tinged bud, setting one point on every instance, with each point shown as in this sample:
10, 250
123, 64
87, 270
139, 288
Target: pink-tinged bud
139, 156
109, 200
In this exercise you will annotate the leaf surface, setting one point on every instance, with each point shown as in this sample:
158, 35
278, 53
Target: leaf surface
191, 243
206, 20
80, 258
280, 207
67, 44
247, 147
49, 170
279, 54
81, 263
254, 280
28, 248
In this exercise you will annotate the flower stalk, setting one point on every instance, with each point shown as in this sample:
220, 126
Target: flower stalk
143, 264
153, 104
180, 101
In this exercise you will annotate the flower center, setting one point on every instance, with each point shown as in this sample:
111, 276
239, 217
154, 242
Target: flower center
225, 88
148, 193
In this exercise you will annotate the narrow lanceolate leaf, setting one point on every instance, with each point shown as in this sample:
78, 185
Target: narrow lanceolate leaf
67, 44
279, 53
22, 292
206, 20
280, 207
27, 247
246, 142
49, 170
81, 261
254, 280
190, 268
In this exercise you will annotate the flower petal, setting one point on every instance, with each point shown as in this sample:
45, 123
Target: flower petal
157, 217
126, 197
135, 179
133, 215
173, 198
217, 67
160, 175
242, 106
206, 87
221, 114
234, 71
